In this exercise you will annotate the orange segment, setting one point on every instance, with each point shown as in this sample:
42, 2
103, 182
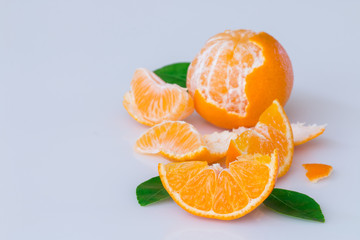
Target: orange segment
180, 141
304, 133
180, 173
151, 100
198, 191
237, 75
215, 192
229, 196
254, 184
317, 171
175, 140
273, 131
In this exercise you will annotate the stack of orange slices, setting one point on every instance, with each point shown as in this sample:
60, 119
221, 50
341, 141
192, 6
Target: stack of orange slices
240, 80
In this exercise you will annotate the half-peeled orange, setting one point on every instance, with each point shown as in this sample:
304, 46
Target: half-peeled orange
237, 75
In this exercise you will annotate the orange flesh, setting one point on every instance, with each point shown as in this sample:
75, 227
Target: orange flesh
229, 195
142, 86
179, 174
177, 141
214, 192
152, 101
237, 75
317, 171
219, 71
180, 141
199, 190
272, 132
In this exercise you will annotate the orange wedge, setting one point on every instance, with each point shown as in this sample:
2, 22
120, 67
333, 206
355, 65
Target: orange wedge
273, 131
175, 140
151, 100
304, 133
215, 192
317, 171
180, 141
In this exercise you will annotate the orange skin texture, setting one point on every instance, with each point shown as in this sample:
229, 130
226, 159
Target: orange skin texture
273, 80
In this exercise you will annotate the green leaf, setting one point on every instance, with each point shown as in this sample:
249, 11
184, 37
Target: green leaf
294, 204
174, 73
281, 200
151, 191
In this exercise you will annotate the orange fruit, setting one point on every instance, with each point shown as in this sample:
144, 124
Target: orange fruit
304, 133
215, 192
151, 100
273, 131
317, 171
237, 75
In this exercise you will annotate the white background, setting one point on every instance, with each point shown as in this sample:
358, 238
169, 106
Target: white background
67, 168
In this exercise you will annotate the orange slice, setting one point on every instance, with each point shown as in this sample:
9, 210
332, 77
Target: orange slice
304, 133
175, 140
151, 100
215, 192
317, 171
273, 131
180, 141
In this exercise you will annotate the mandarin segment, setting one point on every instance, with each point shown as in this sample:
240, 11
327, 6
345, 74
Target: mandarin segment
229, 196
249, 142
180, 141
179, 174
151, 100
254, 183
274, 116
273, 131
175, 140
199, 190
219, 193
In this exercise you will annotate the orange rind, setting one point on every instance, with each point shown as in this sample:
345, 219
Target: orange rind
304, 133
317, 171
